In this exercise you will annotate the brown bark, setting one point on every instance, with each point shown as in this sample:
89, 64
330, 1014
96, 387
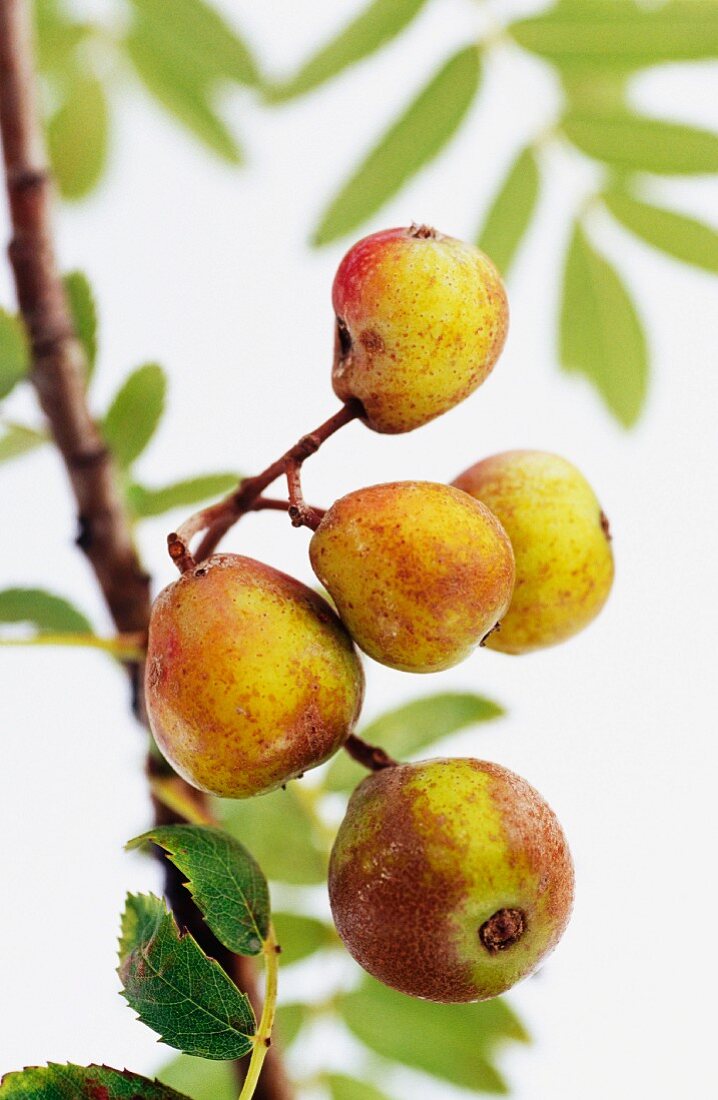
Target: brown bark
58, 374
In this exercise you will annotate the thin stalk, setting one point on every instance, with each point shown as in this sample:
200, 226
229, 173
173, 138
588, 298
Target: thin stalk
126, 647
263, 1037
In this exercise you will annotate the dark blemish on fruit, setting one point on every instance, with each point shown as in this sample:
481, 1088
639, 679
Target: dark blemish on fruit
605, 526
372, 342
503, 930
344, 340
202, 572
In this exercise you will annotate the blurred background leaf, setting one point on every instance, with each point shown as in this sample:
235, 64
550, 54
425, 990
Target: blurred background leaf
511, 212
78, 136
135, 413
17, 439
145, 501
43, 610
679, 236
84, 315
14, 352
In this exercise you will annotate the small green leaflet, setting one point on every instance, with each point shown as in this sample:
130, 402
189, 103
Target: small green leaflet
283, 837
145, 501
43, 610
409, 728
55, 1082
14, 352
378, 24
414, 140
640, 144
456, 1043
78, 135
601, 335
300, 936
17, 439
135, 413
607, 32
676, 234
226, 883
511, 211
176, 990
348, 1088
84, 315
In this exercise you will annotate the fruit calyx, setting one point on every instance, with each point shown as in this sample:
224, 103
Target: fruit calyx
422, 232
503, 930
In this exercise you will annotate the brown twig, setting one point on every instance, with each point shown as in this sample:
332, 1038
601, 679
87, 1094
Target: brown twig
217, 520
58, 374
300, 513
369, 756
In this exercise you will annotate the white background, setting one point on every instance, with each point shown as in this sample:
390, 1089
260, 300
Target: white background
206, 269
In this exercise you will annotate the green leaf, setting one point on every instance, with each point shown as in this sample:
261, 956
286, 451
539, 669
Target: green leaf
281, 833
226, 883
78, 136
181, 84
409, 728
680, 236
200, 1079
414, 140
373, 28
195, 32
619, 33
301, 936
600, 333
177, 991
17, 440
511, 212
54, 1082
453, 1042
14, 352
635, 143
134, 414
290, 1020
348, 1088
43, 610
84, 315
144, 501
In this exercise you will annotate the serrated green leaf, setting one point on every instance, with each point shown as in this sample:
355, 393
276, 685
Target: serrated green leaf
414, 140
176, 989
84, 315
676, 234
17, 439
200, 1079
601, 335
456, 1043
281, 833
409, 728
620, 33
373, 28
55, 1082
225, 881
144, 501
290, 1019
181, 89
43, 610
195, 32
301, 936
78, 136
639, 144
134, 414
14, 352
349, 1088
511, 211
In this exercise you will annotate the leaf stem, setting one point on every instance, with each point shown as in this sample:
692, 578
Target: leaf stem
263, 1037
126, 647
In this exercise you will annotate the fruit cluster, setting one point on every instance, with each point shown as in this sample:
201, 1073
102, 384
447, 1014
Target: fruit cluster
450, 879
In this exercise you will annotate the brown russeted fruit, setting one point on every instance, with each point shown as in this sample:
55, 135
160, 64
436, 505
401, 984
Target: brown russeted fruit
450, 879
420, 572
251, 678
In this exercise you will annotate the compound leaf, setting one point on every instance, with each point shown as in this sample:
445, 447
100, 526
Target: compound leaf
176, 989
601, 335
55, 1082
135, 413
14, 352
511, 211
225, 881
145, 501
43, 610
411, 142
636, 143
378, 24
676, 234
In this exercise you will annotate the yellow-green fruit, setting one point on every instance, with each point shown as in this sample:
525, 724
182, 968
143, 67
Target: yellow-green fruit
251, 678
450, 879
420, 572
421, 320
561, 541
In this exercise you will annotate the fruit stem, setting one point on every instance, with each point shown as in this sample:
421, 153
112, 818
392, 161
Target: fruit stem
300, 513
217, 520
369, 756
263, 1038
126, 647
